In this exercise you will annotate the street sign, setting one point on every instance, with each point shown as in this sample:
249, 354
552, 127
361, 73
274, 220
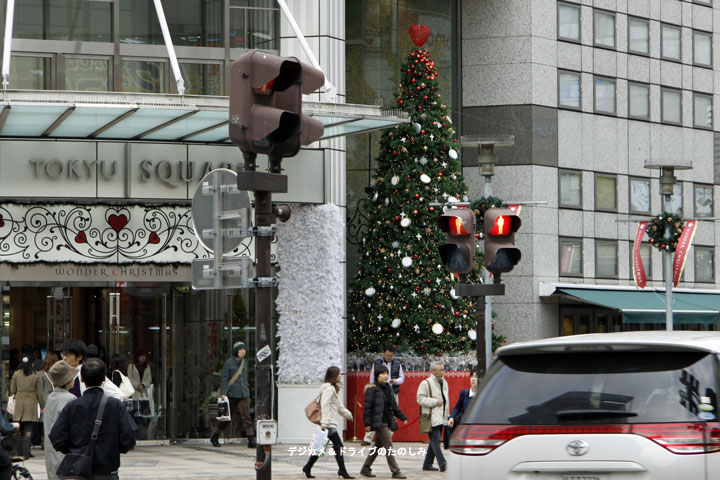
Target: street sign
235, 273
220, 210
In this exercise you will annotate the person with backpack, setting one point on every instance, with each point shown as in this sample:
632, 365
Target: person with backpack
234, 387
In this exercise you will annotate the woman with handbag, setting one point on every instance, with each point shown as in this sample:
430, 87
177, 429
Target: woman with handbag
379, 416
330, 407
27, 386
119, 377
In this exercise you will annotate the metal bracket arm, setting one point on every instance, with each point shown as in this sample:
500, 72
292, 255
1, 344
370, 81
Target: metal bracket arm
264, 231
265, 282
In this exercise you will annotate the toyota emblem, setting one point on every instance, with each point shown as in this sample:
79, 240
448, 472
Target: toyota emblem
577, 448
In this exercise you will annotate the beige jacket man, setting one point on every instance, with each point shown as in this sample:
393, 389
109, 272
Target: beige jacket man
440, 410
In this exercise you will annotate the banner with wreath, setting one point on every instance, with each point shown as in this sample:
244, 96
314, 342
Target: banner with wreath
61, 233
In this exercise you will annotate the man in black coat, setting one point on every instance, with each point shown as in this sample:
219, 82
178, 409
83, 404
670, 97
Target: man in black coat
379, 416
74, 426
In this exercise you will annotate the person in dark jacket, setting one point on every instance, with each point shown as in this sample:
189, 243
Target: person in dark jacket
379, 416
460, 407
234, 386
72, 430
6, 428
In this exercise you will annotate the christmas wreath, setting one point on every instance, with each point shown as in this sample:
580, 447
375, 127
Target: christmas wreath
656, 231
479, 207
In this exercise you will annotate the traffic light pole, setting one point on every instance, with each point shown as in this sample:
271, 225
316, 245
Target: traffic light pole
263, 185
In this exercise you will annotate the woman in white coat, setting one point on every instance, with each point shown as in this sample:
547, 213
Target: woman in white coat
331, 407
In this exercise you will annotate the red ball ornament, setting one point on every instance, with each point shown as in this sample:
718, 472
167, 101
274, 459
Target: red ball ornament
401, 102
395, 153
440, 174
389, 270
413, 80
425, 97
422, 132
415, 212
397, 218
417, 195
432, 209
418, 88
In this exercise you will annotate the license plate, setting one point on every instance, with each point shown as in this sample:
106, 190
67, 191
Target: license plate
578, 477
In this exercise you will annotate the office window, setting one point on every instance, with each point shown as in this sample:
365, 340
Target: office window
202, 78
639, 101
604, 25
569, 89
571, 257
702, 48
606, 258
568, 22
604, 95
671, 42
704, 264
704, 201
143, 76
638, 36
605, 192
671, 106
72, 20
702, 110
87, 74
639, 195
675, 205
570, 189
31, 73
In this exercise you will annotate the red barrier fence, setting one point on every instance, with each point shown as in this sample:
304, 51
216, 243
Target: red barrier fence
356, 382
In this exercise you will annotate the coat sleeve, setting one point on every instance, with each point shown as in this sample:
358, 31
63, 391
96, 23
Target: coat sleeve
133, 375
344, 411
60, 434
224, 378
369, 405
39, 390
326, 407
397, 412
13, 384
423, 396
128, 430
460, 405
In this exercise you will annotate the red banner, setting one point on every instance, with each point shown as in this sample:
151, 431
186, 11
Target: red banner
515, 209
684, 242
638, 268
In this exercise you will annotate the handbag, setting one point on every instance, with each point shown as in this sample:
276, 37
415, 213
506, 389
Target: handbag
223, 414
11, 405
125, 386
79, 465
313, 411
425, 420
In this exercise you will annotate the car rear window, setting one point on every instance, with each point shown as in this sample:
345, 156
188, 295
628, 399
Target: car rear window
597, 387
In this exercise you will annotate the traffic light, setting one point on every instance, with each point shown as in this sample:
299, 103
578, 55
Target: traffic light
499, 227
458, 252
266, 104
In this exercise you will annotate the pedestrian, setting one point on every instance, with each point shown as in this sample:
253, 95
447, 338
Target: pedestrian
76, 421
27, 387
330, 407
397, 378
140, 375
51, 358
461, 405
62, 376
75, 352
234, 386
433, 398
6, 428
379, 416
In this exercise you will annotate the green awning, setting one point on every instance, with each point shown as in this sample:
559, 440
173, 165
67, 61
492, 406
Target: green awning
649, 307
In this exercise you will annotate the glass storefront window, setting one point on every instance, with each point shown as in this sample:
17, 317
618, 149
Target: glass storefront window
75, 20
202, 78
31, 73
87, 74
193, 23
143, 76
254, 27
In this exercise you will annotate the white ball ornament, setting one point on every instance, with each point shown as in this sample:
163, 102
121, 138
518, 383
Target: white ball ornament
424, 178
472, 334
387, 201
395, 180
396, 323
405, 222
437, 329
417, 127
453, 295
375, 197
370, 292
406, 262
453, 154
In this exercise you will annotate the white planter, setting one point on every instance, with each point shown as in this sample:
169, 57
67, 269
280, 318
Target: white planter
293, 426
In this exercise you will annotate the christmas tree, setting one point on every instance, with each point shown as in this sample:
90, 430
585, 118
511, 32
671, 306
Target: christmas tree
402, 293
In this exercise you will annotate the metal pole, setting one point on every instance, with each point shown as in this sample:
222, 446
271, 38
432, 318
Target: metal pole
481, 330
487, 322
263, 325
217, 227
668, 276
170, 47
7, 50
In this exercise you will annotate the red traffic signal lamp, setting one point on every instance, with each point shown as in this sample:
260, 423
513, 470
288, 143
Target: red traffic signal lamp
266, 104
499, 227
458, 252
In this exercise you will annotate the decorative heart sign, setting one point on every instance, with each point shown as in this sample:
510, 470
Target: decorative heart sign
154, 238
117, 222
81, 237
419, 34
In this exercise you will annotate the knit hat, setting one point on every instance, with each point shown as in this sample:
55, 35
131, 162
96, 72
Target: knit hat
237, 346
61, 373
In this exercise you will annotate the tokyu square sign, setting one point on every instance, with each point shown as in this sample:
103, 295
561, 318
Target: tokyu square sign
135, 170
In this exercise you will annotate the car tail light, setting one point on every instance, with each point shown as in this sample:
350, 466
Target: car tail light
679, 438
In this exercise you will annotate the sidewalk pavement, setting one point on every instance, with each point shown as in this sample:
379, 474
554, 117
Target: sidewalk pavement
200, 460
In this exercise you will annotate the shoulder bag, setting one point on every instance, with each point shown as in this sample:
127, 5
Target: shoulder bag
125, 386
11, 405
313, 411
79, 466
425, 420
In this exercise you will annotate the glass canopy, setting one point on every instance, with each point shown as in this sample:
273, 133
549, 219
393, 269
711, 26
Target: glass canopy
156, 117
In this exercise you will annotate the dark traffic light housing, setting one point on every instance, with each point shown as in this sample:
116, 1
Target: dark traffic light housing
266, 104
499, 227
458, 252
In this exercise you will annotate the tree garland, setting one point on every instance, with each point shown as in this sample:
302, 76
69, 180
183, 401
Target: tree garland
656, 231
479, 207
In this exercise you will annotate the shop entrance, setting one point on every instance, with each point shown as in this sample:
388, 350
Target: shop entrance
184, 336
